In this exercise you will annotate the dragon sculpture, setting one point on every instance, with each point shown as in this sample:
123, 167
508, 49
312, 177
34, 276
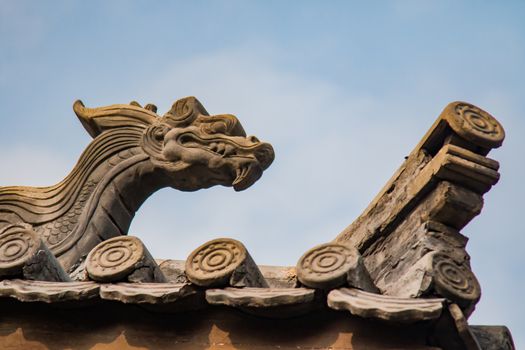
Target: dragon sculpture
134, 153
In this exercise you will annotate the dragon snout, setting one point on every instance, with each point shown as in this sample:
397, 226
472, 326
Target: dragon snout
264, 154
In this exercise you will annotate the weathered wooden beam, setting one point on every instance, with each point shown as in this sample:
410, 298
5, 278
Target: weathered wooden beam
123, 258
405, 263
24, 255
453, 150
473, 174
223, 262
409, 235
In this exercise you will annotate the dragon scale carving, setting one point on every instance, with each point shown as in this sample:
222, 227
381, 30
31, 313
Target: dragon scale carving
134, 153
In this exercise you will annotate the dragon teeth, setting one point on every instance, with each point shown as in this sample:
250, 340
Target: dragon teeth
241, 173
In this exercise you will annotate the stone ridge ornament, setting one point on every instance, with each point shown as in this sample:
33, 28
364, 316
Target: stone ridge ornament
122, 258
17, 247
474, 124
134, 153
23, 254
223, 262
455, 281
330, 265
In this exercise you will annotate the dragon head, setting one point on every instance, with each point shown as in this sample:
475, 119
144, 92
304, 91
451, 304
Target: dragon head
195, 150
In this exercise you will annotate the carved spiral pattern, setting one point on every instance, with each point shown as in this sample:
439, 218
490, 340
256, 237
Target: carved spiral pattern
326, 263
184, 112
153, 139
214, 260
476, 125
115, 258
16, 247
455, 282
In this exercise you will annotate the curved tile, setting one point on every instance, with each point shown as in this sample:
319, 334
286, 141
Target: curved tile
48, 292
150, 293
259, 297
384, 307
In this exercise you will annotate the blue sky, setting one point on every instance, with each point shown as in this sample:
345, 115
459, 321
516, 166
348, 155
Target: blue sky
343, 90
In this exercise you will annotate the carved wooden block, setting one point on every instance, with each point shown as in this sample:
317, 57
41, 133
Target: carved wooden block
259, 297
370, 305
148, 293
122, 258
23, 254
461, 166
223, 262
330, 265
48, 292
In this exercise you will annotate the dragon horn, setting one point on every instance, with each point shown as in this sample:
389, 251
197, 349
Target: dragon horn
98, 120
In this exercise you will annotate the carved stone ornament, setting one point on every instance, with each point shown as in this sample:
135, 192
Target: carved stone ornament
455, 281
134, 153
17, 247
122, 258
332, 265
23, 254
474, 124
223, 262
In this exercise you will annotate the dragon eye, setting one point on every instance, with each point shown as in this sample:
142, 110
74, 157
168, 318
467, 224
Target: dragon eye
159, 131
218, 127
